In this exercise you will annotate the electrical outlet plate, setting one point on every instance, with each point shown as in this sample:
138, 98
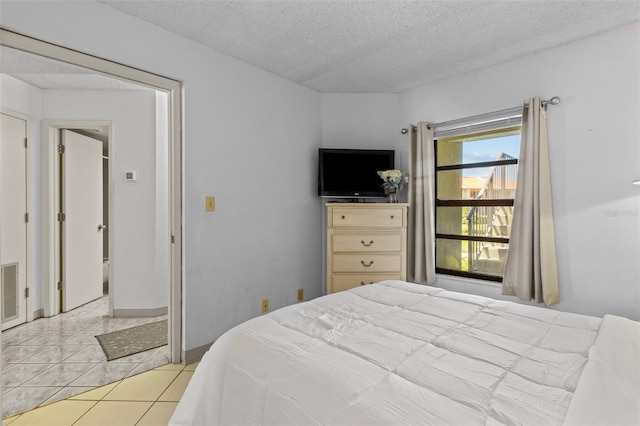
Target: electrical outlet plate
300, 294
265, 305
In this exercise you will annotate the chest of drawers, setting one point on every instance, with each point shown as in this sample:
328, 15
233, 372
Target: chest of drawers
366, 243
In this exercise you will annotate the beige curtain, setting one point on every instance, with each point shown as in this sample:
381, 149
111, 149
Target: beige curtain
421, 234
531, 270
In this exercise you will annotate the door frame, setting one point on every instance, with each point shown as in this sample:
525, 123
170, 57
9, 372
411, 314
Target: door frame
30, 242
51, 205
173, 88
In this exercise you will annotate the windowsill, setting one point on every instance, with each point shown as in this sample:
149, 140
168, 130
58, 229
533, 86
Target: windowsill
465, 280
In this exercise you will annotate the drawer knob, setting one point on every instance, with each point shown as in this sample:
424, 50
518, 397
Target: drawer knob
366, 265
342, 216
391, 216
363, 283
365, 244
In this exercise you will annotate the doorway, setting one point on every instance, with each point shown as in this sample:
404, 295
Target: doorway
172, 89
82, 214
60, 292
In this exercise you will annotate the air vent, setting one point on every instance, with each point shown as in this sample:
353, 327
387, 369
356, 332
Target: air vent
9, 292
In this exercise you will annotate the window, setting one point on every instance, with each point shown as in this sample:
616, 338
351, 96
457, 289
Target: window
476, 177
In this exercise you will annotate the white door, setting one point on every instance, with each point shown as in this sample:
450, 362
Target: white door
81, 203
13, 226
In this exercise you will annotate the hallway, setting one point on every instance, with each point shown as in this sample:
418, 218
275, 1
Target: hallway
50, 359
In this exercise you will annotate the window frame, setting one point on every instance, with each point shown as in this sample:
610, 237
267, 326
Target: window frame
504, 202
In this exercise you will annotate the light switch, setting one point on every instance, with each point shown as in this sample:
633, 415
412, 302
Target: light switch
210, 204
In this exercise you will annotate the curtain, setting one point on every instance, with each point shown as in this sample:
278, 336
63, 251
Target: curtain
421, 238
531, 270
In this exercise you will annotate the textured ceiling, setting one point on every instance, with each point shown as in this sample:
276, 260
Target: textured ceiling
379, 46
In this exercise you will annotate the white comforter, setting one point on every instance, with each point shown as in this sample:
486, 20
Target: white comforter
400, 353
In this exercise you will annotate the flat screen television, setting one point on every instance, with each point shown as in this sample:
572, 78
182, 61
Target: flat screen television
352, 173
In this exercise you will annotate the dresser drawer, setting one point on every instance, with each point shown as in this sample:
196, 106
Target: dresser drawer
366, 242
388, 217
365, 262
348, 281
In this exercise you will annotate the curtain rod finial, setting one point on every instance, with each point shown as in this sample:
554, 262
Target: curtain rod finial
404, 131
553, 101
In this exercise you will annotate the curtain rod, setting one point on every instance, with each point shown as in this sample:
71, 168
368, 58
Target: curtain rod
504, 112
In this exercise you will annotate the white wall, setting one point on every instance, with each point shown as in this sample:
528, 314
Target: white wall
250, 139
594, 142
26, 99
134, 210
363, 121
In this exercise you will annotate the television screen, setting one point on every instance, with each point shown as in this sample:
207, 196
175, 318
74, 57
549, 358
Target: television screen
352, 173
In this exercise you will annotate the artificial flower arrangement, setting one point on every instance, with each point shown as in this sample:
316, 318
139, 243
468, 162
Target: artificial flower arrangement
393, 181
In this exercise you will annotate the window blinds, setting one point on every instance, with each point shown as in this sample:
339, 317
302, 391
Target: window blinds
479, 123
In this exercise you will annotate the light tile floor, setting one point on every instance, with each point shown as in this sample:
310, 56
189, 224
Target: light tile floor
146, 399
49, 359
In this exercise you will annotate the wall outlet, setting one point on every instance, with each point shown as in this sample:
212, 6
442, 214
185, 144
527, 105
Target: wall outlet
300, 294
265, 305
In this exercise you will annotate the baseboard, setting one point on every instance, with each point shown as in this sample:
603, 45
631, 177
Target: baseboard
38, 313
192, 355
150, 312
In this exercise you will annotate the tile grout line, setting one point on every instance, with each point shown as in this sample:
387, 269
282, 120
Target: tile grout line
162, 393
83, 414
119, 382
169, 385
95, 402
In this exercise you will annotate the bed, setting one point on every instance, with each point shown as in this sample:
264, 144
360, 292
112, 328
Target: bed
402, 353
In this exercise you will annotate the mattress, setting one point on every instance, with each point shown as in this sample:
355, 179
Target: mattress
401, 353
